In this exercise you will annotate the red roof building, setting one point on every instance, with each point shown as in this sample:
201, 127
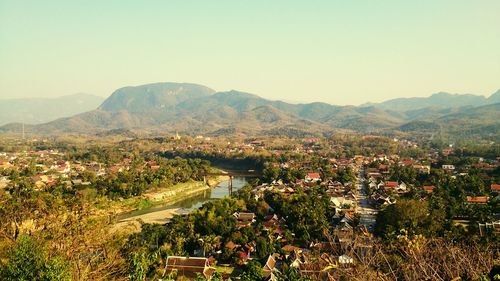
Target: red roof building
407, 162
189, 266
478, 199
392, 184
313, 175
429, 188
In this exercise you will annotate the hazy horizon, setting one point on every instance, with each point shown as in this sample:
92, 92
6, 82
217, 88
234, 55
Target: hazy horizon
338, 53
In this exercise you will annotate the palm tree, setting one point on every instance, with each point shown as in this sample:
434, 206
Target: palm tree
209, 243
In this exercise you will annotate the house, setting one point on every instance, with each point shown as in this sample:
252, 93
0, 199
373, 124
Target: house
189, 267
231, 246
4, 164
448, 167
341, 202
477, 200
406, 162
317, 270
115, 169
380, 185
257, 143
394, 185
245, 251
383, 167
390, 185
401, 187
345, 260
377, 175
244, 219
495, 187
4, 182
381, 200
153, 165
429, 188
62, 168
269, 267
290, 248
79, 182
489, 227
312, 177
422, 169
244, 216
344, 224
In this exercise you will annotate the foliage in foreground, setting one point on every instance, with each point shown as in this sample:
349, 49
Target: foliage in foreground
29, 260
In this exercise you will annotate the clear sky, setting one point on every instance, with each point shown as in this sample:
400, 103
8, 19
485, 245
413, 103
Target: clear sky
340, 52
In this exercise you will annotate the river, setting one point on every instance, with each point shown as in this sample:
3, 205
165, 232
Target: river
162, 213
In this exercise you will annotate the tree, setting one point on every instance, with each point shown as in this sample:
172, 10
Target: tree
271, 173
252, 272
216, 277
139, 265
28, 260
264, 247
408, 214
289, 273
208, 243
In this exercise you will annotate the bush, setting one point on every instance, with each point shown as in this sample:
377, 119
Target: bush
28, 260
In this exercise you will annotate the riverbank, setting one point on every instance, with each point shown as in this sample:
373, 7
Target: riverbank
157, 196
133, 224
181, 191
167, 196
214, 181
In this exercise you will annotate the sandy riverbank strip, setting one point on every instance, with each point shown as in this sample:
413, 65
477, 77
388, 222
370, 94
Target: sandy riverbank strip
133, 224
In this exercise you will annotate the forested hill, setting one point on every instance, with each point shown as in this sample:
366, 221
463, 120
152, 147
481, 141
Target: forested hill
196, 109
438, 100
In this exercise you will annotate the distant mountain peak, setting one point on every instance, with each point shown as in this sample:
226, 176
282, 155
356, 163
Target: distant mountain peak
156, 96
443, 94
236, 93
454, 95
436, 100
495, 97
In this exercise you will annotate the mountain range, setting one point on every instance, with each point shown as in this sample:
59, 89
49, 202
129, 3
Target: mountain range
438, 100
196, 109
43, 110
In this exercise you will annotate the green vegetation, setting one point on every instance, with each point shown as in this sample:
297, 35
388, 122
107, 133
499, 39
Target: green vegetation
50, 218
29, 260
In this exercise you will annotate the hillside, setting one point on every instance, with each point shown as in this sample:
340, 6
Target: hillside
42, 110
196, 109
482, 121
157, 96
439, 100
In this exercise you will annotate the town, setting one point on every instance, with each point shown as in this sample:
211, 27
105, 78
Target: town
341, 208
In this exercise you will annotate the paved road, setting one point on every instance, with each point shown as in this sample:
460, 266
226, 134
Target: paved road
368, 213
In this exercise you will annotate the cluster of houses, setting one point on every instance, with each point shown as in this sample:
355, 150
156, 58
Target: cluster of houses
307, 264
383, 191
493, 226
342, 196
318, 260
50, 167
